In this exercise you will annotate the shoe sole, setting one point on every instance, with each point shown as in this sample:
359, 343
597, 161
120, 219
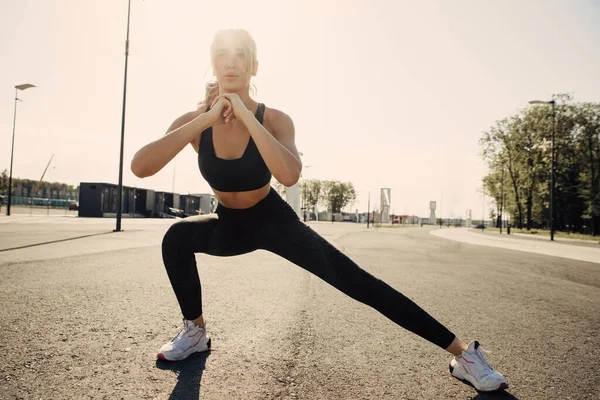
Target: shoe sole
502, 386
161, 356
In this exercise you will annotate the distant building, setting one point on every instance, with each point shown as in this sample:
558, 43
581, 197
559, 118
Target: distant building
98, 199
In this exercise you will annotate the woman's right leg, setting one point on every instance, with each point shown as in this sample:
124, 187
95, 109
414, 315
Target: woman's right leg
198, 234
180, 243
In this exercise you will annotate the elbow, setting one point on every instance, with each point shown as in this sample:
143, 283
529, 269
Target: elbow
288, 182
138, 169
290, 179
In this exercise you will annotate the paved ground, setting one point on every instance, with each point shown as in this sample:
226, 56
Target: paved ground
574, 250
83, 315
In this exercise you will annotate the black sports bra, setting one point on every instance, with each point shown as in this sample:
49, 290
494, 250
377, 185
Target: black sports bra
249, 172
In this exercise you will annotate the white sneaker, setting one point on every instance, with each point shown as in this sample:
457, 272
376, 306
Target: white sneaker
473, 367
191, 339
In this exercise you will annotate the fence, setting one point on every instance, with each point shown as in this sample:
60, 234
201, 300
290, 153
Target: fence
38, 205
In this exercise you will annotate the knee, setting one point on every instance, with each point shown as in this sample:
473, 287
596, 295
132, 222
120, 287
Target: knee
174, 238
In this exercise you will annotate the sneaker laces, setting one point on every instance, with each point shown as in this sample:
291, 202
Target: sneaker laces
480, 354
187, 326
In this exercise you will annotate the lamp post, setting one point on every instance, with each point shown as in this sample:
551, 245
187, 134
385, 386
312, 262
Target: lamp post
501, 198
483, 194
120, 189
552, 167
483, 210
369, 210
17, 88
441, 208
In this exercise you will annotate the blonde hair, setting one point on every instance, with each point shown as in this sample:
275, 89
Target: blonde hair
212, 88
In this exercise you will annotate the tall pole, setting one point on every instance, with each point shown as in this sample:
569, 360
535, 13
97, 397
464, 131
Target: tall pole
505, 217
120, 189
368, 209
11, 157
552, 182
17, 88
483, 207
552, 166
441, 209
501, 198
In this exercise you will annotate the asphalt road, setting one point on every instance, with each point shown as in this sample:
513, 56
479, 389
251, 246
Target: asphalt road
83, 311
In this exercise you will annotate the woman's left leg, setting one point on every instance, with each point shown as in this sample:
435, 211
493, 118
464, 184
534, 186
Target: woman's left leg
298, 243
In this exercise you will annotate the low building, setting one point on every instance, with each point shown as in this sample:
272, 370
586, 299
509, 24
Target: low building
99, 199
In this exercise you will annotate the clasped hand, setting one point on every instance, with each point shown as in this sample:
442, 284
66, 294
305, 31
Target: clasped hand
226, 107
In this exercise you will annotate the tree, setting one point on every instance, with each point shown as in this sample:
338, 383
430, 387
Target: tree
587, 145
4, 182
337, 195
521, 146
28, 185
332, 195
311, 192
500, 147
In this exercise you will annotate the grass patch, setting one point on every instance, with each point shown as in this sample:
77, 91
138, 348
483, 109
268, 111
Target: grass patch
546, 232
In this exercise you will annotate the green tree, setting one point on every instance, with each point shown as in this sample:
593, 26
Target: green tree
501, 148
4, 182
521, 146
587, 146
310, 189
337, 195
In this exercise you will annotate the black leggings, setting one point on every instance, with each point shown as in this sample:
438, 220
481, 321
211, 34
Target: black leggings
273, 225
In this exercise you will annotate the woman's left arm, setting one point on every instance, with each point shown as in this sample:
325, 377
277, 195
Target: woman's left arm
277, 149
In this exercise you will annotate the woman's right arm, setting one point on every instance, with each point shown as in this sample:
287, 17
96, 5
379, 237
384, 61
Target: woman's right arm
154, 156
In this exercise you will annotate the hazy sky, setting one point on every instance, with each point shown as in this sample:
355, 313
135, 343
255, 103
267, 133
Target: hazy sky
382, 93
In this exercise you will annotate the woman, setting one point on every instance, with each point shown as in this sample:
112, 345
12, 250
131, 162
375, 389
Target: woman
240, 144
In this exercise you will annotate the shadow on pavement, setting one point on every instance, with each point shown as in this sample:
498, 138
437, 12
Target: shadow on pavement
189, 374
54, 241
502, 395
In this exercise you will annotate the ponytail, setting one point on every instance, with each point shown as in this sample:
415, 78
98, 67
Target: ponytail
210, 93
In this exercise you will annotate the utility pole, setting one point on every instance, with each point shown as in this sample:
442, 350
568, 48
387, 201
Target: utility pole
552, 176
501, 198
368, 210
553, 161
120, 189
483, 206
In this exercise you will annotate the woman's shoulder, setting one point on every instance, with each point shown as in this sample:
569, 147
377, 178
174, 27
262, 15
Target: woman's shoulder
277, 119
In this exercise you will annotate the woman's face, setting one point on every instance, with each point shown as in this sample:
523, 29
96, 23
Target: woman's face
232, 65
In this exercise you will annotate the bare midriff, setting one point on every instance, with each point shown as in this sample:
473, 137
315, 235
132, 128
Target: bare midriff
241, 200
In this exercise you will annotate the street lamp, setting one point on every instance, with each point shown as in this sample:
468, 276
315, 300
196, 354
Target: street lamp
501, 198
120, 189
553, 103
441, 208
369, 210
17, 88
483, 194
